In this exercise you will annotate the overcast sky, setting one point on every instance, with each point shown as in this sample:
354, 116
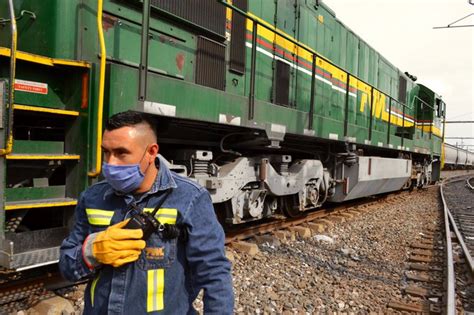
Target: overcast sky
402, 31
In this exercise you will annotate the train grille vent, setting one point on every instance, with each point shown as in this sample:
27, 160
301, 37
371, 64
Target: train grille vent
209, 14
210, 63
237, 38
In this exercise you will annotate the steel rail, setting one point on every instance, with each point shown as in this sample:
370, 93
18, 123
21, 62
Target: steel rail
467, 254
450, 294
306, 217
459, 236
468, 182
31, 288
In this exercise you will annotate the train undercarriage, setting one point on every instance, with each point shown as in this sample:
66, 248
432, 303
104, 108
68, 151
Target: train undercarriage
255, 177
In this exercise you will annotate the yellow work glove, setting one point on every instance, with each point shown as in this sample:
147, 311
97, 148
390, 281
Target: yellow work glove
116, 246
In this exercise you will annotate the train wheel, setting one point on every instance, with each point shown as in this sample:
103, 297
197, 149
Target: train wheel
289, 205
408, 185
412, 186
224, 215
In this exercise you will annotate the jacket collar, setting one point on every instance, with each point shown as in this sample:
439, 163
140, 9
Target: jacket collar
164, 179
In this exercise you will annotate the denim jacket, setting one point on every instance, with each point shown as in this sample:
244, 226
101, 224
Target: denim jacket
169, 274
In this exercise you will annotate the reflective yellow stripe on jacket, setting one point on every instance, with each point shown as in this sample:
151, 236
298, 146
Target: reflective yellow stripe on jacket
93, 284
165, 215
99, 217
155, 287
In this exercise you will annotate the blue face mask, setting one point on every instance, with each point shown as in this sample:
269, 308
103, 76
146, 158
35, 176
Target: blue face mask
123, 178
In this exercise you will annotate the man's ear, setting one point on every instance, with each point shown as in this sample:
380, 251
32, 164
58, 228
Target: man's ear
153, 150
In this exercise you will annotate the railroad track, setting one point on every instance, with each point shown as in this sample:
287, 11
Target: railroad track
41, 287
429, 281
457, 195
470, 183
440, 269
404, 260
21, 290
309, 218
445, 174
424, 278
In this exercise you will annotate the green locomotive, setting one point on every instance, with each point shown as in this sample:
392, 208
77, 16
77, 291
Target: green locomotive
272, 105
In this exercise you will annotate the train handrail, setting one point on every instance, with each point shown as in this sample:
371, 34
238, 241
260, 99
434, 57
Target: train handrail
100, 108
11, 90
450, 297
256, 24
143, 66
315, 55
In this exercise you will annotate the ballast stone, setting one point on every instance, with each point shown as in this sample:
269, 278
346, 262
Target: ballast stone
53, 306
246, 247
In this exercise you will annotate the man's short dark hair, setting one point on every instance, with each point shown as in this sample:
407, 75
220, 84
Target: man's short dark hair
129, 118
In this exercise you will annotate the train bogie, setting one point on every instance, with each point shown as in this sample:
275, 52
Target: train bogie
251, 188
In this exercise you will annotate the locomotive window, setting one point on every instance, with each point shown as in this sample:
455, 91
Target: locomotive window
439, 107
237, 39
402, 90
282, 83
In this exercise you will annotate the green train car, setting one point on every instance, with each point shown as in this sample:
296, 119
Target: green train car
273, 106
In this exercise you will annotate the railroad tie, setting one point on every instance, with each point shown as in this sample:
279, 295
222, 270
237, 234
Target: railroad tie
346, 215
302, 232
283, 236
419, 258
325, 222
424, 252
422, 292
246, 247
423, 277
422, 246
424, 267
410, 307
336, 219
316, 227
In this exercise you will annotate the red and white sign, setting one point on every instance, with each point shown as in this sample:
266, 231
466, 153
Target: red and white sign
31, 87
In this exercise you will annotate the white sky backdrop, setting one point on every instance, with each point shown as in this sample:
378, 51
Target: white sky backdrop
442, 59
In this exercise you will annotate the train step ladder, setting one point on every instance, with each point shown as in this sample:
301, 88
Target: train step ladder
40, 180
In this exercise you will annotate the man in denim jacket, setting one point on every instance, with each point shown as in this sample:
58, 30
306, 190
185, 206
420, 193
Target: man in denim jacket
164, 273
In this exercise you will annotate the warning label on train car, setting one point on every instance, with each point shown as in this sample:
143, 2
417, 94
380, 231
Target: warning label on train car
31, 87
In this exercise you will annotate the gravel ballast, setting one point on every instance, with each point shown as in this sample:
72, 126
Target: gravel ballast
355, 266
